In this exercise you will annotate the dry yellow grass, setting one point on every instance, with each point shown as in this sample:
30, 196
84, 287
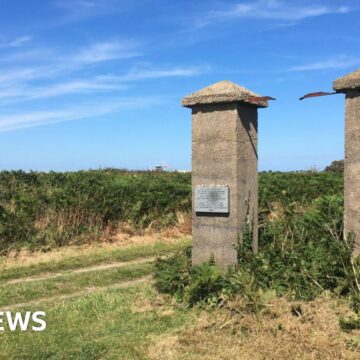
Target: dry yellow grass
277, 334
121, 240
151, 300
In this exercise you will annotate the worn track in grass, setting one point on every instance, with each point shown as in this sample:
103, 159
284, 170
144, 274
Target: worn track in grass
82, 270
85, 291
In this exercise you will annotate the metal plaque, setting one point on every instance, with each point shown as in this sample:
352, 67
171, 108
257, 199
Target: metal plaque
212, 199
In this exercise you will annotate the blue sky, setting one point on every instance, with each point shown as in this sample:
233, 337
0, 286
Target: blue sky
98, 83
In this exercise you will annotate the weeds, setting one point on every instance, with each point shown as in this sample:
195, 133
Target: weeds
46, 210
302, 254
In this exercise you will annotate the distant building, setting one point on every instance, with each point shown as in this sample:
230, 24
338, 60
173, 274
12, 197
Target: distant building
159, 168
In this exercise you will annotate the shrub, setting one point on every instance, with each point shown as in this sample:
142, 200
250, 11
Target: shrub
173, 273
206, 284
305, 258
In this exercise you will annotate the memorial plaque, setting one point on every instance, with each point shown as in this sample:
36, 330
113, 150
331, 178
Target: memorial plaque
212, 199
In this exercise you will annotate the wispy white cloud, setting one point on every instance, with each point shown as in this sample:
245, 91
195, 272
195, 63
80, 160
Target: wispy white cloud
337, 62
87, 86
60, 63
106, 51
22, 74
277, 10
97, 84
14, 43
50, 73
136, 74
84, 111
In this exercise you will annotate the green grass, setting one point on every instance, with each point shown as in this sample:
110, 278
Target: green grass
99, 256
98, 326
68, 284
126, 323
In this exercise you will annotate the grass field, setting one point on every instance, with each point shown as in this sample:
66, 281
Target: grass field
100, 304
86, 299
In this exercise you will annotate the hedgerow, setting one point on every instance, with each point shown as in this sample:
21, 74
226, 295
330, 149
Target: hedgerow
44, 210
41, 210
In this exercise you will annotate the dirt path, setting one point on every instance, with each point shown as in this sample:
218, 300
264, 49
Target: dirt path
81, 270
85, 291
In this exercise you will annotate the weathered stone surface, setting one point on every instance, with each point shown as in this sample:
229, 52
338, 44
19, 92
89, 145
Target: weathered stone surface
352, 168
348, 82
350, 85
224, 152
223, 92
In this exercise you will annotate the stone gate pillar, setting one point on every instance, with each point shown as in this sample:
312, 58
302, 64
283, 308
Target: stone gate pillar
350, 85
224, 170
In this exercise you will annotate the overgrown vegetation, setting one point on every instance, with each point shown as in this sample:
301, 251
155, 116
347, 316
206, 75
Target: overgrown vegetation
302, 250
43, 210
46, 210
